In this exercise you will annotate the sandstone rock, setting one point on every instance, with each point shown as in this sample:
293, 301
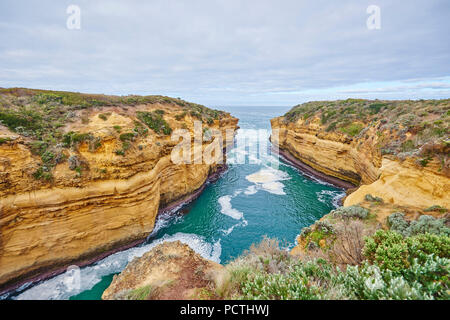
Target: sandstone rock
46, 226
171, 270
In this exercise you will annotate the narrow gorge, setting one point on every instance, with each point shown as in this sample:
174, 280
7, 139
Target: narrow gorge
88, 181
83, 176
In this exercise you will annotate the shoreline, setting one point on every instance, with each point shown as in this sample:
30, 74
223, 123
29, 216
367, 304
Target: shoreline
315, 173
212, 177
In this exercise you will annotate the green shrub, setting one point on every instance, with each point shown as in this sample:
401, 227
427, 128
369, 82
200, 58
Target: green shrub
154, 121
140, 129
428, 224
139, 293
291, 286
407, 146
376, 107
42, 173
4, 140
74, 138
27, 119
350, 212
425, 224
352, 129
325, 227
119, 152
436, 208
370, 198
127, 136
396, 222
104, 116
331, 127
387, 249
420, 281
390, 250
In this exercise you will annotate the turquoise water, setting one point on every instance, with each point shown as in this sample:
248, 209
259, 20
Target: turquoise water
231, 214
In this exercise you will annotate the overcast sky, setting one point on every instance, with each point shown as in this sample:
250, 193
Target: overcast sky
229, 52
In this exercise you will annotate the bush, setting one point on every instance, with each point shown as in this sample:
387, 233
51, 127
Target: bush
436, 208
387, 249
370, 198
104, 116
325, 227
42, 173
127, 136
390, 250
350, 212
352, 129
297, 284
428, 280
139, 129
154, 121
4, 140
397, 222
425, 224
349, 243
119, 152
74, 138
425, 276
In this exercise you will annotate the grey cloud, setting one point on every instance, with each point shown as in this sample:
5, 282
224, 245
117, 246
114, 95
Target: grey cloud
224, 52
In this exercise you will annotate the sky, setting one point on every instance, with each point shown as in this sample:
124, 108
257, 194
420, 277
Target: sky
229, 52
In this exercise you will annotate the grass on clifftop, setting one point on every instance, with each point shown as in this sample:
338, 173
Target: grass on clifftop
404, 127
40, 116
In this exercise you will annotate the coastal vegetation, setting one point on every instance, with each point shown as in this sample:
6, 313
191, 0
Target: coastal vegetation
41, 118
353, 257
404, 127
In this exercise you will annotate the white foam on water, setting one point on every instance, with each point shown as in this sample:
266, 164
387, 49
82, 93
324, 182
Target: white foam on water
251, 190
274, 187
56, 288
269, 179
325, 196
227, 209
243, 223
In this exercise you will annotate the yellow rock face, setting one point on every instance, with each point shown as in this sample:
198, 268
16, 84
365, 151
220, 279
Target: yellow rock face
46, 226
359, 161
330, 153
405, 184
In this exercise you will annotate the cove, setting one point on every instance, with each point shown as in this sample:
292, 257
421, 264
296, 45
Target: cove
248, 202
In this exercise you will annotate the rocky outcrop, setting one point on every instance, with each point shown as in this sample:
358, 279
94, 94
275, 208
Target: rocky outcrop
104, 195
328, 152
404, 163
171, 270
359, 161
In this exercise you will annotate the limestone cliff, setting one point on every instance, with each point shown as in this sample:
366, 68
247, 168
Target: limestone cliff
403, 163
84, 175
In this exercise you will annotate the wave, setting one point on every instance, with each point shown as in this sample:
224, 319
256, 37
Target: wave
326, 196
227, 209
57, 288
268, 179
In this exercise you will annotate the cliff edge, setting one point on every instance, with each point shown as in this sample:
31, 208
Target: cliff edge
83, 175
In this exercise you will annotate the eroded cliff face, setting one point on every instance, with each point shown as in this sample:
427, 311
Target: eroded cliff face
359, 161
329, 152
104, 194
395, 153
